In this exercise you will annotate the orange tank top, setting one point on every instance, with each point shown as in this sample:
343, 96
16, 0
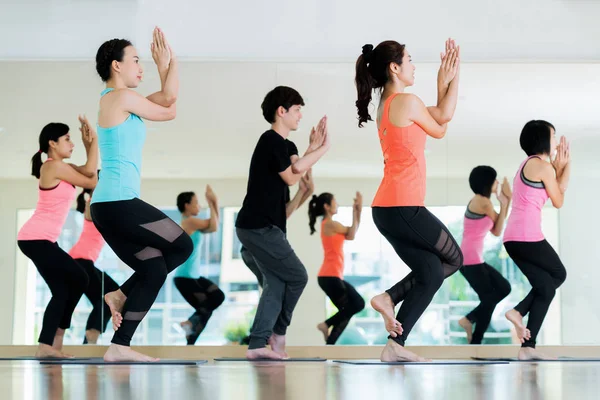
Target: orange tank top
404, 169
333, 247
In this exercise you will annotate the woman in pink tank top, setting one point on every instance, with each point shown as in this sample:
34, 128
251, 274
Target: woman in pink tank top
86, 252
37, 238
481, 218
539, 177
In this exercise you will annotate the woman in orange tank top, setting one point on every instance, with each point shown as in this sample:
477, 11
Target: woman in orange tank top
417, 236
331, 276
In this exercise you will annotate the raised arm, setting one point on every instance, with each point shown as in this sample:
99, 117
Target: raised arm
90, 142
556, 175
168, 70
319, 145
448, 79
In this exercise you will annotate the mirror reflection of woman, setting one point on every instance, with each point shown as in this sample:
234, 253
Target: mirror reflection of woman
543, 175
86, 251
202, 294
481, 218
331, 275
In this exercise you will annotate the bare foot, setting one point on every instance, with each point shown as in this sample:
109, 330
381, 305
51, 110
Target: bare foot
46, 351
517, 320
117, 353
59, 337
187, 328
324, 330
383, 304
262, 353
92, 336
467, 326
115, 301
277, 343
529, 353
393, 352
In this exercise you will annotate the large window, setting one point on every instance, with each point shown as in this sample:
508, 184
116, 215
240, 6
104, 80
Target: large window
372, 266
219, 261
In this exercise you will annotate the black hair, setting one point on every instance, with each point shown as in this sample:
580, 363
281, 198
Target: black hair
535, 137
372, 72
51, 132
107, 53
81, 198
281, 96
316, 208
183, 199
482, 180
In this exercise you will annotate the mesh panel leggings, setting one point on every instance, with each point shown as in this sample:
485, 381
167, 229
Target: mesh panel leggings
65, 278
100, 284
427, 248
541, 265
150, 243
346, 299
492, 288
204, 296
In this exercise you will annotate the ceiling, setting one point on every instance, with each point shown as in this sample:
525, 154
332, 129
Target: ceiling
310, 30
520, 61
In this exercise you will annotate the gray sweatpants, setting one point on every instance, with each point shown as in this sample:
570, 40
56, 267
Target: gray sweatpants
284, 279
250, 262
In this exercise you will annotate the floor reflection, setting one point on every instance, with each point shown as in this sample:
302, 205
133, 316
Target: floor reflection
296, 381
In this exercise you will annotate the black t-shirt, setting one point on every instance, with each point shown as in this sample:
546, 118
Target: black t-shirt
267, 194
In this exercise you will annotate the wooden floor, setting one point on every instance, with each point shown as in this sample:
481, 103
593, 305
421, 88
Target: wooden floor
25, 380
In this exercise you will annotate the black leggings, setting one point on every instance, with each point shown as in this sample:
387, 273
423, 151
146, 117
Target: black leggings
100, 284
492, 288
540, 264
427, 248
346, 299
150, 243
65, 278
204, 296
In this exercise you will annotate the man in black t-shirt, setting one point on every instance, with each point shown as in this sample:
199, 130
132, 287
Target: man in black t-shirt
305, 190
261, 222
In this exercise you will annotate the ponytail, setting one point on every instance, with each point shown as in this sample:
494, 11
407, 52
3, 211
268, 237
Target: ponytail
51, 132
36, 164
372, 72
81, 200
364, 85
316, 208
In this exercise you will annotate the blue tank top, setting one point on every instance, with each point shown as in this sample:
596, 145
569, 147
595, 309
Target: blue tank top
121, 159
191, 268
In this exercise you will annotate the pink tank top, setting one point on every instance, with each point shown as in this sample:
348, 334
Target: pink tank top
50, 213
90, 243
475, 227
525, 220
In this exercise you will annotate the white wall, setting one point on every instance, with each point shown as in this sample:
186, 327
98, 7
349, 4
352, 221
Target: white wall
578, 248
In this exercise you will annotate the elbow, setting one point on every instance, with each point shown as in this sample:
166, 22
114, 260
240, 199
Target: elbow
297, 170
170, 99
558, 204
496, 232
445, 118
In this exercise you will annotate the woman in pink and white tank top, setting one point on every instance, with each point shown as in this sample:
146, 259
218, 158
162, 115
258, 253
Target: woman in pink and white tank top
481, 218
86, 252
544, 174
37, 238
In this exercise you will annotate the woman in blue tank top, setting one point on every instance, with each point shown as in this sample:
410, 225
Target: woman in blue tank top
202, 294
142, 236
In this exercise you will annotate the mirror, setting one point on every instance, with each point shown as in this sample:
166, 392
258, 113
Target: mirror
180, 156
